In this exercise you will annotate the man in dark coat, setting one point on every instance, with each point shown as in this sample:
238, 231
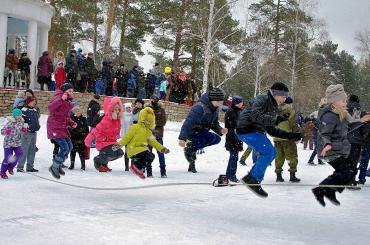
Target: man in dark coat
88, 73
93, 112
121, 78
71, 68
24, 66
44, 70
257, 119
203, 116
160, 122
233, 144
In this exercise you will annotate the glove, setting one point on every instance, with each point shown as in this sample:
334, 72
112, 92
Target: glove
8, 131
294, 136
165, 150
24, 130
116, 147
282, 118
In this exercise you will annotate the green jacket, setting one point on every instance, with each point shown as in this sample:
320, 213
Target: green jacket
289, 125
139, 135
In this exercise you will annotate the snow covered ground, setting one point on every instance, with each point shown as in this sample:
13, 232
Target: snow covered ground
36, 211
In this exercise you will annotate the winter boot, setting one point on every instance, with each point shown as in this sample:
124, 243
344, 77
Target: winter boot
61, 171
10, 171
72, 166
279, 178
96, 164
55, 172
32, 170
83, 165
233, 179
321, 162
311, 163
4, 176
126, 166
21, 170
108, 169
319, 195
163, 173
138, 172
191, 168
330, 194
293, 178
254, 185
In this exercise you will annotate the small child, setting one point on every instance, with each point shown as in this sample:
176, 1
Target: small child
127, 120
19, 100
31, 117
163, 90
60, 75
78, 136
138, 137
12, 142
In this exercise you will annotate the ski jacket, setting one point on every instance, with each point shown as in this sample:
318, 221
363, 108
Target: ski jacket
232, 141
14, 137
31, 117
93, 113
79, 133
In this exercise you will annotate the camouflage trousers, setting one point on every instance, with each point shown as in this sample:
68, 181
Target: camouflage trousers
286, 150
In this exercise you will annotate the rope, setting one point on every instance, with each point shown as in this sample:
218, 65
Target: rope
188, 184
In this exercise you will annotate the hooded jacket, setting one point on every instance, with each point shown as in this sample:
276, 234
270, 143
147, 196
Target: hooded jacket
232, 141
58, 119
45, 65
93, 113
14, 138
79, 133
139, 136
203, 116
108, 130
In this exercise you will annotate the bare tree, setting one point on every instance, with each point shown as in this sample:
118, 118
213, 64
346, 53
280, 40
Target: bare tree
363, 40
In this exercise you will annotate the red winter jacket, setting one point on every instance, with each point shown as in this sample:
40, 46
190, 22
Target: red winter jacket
60, 77
108, 130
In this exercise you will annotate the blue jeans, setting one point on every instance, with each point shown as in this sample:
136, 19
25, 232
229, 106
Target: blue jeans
314, 153
365, 156
203, 139
162, 162
260, 143
65, 147
232, 165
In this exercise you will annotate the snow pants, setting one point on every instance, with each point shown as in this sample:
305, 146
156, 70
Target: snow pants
10, 160
106, 155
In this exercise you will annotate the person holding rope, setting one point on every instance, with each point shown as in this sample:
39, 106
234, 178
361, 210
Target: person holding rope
58, 123
257, 119
333, 143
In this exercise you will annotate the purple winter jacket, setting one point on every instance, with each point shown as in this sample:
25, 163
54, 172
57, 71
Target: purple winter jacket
58, 119
44, 66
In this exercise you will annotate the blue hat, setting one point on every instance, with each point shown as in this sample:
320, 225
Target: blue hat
66, 86
236, 100
16, 112
288, 100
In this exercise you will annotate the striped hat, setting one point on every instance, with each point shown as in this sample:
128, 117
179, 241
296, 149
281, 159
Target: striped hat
216, 94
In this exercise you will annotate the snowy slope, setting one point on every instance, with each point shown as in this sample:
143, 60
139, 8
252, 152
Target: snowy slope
36, 211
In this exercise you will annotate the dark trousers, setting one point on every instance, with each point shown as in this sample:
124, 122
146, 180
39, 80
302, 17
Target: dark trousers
141, 159
106, 155
80, 154
314, 153
44, 81
342, 175
162, 163
354, 157
365, 156
232, 165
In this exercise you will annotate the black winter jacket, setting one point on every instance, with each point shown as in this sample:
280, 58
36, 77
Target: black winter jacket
79, 133
93, 113
232, 141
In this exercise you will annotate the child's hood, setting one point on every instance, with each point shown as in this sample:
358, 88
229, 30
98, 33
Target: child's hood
147, 114
110, 107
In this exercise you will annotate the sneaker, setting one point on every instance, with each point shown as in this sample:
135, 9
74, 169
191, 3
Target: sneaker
10, 171
319, 195
311, 163
137, 172
54, 172
4, 176
20, 170
254, 185
102, 169
33, 170
108, 169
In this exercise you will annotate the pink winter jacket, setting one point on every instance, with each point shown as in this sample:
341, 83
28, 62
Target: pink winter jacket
108, 130
58, 119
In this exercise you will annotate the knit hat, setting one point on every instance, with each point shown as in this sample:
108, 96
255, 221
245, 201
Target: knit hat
29, 99
216, 94
334, 93
97, 97
354, 98
279, 89
236, 100
66, 86
74, 109
139, 101
288, 100
16, 112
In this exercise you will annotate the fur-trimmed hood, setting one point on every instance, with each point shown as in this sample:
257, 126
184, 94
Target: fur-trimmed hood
108, 110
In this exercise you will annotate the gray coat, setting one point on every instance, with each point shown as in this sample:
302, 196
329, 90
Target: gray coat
332, 131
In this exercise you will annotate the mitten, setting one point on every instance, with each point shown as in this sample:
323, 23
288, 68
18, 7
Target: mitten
165, 150
24, 130
294, 136
282, 118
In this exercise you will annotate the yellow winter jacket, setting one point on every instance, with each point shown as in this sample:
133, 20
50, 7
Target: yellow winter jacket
139, 135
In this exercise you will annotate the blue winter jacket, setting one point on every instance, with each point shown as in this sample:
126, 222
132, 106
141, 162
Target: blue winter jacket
31, 117
203, 116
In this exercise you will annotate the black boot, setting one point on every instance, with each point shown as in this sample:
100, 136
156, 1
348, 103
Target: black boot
321, 162
254, 185
55, 172
279, 178
163, 173
192, 168
83, 165
319, 195
330, 194
293, 178
72, 166
126, 165
191, 156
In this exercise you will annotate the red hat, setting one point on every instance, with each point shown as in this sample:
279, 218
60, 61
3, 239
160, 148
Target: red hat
29, 99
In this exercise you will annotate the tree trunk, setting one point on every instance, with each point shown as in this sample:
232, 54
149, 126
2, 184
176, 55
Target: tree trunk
179, 28
207, 52
123, 29
277, 38
110, 21
95, 24
294, 55
194, 54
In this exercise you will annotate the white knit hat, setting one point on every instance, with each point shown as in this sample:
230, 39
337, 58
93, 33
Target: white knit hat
335, 93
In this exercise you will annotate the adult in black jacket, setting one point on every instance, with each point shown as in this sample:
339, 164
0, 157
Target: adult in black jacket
78, 135
121, 78
233, 144
257, 119
93, 112
24, 66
